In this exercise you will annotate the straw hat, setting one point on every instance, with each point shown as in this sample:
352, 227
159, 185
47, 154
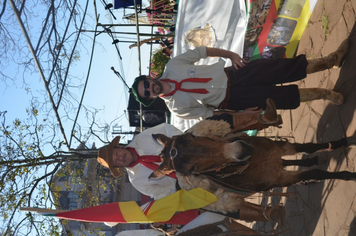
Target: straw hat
105, 156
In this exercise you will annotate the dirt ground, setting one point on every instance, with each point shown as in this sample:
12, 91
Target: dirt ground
329, 207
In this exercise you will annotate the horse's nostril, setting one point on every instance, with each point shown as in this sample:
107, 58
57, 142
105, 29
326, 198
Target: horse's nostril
246, 150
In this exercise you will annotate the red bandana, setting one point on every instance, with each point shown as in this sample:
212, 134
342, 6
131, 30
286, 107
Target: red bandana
148, 161
179, 84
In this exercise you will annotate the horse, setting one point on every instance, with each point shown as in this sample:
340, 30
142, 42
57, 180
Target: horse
238, 167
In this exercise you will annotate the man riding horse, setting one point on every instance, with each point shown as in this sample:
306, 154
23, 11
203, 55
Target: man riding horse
141, 157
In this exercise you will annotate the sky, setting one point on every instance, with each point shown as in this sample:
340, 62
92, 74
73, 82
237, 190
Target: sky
105, 91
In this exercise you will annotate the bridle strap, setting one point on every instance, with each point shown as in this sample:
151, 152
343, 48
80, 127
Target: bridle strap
175, 154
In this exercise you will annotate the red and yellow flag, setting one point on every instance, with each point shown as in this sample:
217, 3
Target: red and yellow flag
161, 210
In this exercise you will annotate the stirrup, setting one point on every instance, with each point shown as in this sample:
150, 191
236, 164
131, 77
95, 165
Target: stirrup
264, 213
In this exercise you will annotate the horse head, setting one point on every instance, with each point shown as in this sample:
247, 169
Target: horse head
188, 154
167, 165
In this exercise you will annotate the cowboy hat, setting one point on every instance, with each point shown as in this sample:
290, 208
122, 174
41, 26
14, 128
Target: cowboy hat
105, 156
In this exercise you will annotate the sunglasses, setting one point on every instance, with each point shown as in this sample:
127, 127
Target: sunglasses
146, 85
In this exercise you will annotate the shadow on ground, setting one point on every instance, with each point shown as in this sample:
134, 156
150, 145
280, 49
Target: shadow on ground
305, 213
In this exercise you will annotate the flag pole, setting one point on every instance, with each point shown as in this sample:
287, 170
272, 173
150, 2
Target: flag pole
36, 210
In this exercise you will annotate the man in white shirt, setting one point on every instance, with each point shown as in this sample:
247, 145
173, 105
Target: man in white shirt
128, 157
196, 91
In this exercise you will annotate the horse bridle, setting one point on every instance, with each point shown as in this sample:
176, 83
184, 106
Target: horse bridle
175, 154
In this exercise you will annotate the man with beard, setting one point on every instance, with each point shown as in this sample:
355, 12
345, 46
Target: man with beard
200, 91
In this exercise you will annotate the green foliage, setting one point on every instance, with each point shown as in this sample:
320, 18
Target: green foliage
75, 57
159, 61
325, 25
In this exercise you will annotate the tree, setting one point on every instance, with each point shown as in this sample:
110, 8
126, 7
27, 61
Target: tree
33, 149
54, 42
159, 61
26, 171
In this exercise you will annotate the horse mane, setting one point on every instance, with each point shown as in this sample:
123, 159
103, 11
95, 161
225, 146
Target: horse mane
210, 128
219, 130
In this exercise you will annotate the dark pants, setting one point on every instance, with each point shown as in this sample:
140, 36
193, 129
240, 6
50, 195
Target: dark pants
225, 117
251, 85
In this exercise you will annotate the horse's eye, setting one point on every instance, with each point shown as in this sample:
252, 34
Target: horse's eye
161, 155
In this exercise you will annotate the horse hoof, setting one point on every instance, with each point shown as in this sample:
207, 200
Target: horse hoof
336, 98
341, 52
276, 214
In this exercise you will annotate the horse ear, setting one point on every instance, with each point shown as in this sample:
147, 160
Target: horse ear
161, 139
156, 174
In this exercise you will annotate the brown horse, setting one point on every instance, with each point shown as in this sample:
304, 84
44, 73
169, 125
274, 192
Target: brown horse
246, 164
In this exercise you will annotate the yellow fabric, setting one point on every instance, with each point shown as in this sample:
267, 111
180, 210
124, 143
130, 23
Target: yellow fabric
132, 213
164, 208
302, 22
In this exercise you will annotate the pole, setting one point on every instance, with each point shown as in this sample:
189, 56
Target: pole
128, 132
139, 57
129, 33
109, 25
36, 210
